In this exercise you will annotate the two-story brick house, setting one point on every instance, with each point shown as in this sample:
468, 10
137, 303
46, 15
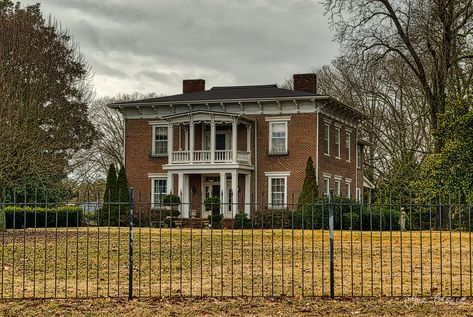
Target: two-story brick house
250, 140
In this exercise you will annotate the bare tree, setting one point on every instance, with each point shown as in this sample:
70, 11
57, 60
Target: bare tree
397, 124
92, 164
431, 37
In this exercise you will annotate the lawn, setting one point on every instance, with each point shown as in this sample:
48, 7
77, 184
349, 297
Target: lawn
91, 262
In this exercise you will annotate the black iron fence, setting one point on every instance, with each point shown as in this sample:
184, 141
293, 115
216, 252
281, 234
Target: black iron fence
329, 247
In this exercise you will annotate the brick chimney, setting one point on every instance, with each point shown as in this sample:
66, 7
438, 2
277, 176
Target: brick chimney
305, 82
193, 85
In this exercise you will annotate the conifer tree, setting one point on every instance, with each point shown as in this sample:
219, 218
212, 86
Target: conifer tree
110, 196
309, 188
123, 190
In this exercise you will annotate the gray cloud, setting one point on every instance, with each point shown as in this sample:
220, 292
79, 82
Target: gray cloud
152, 45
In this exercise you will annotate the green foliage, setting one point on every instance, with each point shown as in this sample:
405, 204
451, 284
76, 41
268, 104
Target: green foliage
215, 218
112, 212
171, 200
2, 221
45, 91
309, 188
37, 216
122, 185
242, 221
450, 172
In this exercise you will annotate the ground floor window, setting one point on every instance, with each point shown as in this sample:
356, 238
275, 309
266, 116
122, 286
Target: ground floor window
358, 194
348, 190
277, 189
159, 189
326, 186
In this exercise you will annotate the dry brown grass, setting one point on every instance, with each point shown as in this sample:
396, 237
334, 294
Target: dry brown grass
224, 262
237, 307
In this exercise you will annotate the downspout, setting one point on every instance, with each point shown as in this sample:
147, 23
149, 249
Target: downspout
317, 148
356, 166
256, 163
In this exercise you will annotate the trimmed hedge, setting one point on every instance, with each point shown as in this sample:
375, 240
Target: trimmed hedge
66, 216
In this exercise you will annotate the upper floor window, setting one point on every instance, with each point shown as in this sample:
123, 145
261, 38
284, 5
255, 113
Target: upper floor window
160, 140
337, 143
278, 137
327, 139
359, 156
348, 146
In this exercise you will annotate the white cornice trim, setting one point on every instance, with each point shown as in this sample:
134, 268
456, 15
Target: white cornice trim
273, 174
280, 118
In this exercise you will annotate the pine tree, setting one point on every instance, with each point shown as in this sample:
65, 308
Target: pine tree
123, 190
110, 196
309, 189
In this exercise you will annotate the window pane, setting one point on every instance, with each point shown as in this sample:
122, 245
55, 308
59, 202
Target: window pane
160, 140
326, 139
278, 189
159, 190
278, 138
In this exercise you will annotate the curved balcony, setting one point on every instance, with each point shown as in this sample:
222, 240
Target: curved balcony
220, 156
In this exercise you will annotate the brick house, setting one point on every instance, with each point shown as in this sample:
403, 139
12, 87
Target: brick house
250, 140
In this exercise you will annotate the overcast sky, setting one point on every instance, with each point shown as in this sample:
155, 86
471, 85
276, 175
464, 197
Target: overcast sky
151, 45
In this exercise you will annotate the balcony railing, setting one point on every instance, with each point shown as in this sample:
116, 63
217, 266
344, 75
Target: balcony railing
221, 156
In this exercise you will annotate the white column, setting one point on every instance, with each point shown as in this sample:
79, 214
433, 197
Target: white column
170, 183
212, 141
248, 138
234, 193
170, 144
247, 194
234, 139
180, 185
185, 197
224, 193
191, 141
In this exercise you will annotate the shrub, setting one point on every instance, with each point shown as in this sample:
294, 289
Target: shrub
28, 217
242, 221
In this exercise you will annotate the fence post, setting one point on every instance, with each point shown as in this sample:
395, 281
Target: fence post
330, 225
130, 253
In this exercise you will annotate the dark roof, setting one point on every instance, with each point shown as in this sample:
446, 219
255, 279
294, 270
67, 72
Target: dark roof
228, 93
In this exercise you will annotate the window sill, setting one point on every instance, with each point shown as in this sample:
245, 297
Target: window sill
278, 153
158, 155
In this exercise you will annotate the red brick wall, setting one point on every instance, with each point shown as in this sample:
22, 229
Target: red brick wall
337, 167
138, 161
299, 149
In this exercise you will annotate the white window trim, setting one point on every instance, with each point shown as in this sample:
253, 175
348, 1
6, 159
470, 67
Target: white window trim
358, 197
338, 187
359, 157
337, 145
326, 177
272, 175
154, 177
348, 187
153, 145
270, 135
326, 125
348, 137
276, 119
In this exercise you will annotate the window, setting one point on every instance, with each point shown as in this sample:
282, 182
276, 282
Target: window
358, 194
359, 156
326, 186
327, 139
337, 187
160, 140
347, 146
277, 189
337, 143
277, 192
348, 190
278, 137
158, 191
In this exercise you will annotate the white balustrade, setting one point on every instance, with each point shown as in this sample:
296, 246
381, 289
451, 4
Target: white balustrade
202, 156
243, 157
180, 156
223, 156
